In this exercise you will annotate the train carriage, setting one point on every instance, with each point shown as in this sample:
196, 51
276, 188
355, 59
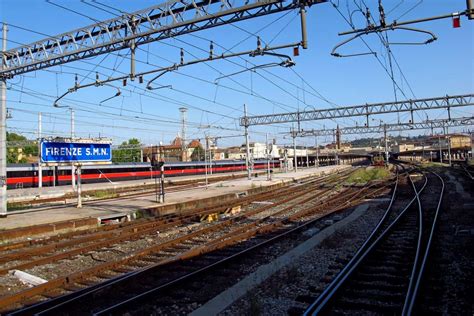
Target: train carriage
26, 175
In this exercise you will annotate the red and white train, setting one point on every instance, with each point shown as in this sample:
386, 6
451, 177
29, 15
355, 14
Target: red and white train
26, 175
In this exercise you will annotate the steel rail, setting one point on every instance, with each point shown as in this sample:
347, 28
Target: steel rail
121, 305
324, 299
409, 293
131, 232
411, 302
467, 172
240, 201
342, 275
190, 253
75, 277
109, 282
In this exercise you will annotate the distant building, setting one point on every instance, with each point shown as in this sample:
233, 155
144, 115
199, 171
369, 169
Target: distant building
343, 147
360, 150
400, 148
218, 154
259, 150
173, 151
457, 141
234, 153
300, 151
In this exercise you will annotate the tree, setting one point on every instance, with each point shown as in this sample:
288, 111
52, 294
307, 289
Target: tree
128, 151
198, 154
19, 148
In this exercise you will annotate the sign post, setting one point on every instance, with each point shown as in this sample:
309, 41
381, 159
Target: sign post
162, 169
75, 152
155, 166
79, 186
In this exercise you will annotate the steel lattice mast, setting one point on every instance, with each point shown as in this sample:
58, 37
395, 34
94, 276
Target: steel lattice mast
429, 124
169, 19
444, 102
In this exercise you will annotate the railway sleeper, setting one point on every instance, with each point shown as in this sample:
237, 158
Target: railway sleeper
182, 247
123, 269
400, 251
386, 286
393, 254
374, 292
381, 268
365, 307
382, 277
391, 263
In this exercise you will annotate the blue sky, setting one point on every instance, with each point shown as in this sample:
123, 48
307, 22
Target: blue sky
443, 67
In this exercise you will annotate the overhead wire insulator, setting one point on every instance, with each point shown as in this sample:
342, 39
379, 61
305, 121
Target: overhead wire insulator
259, 44
211, 50
182, 56
382, 14
368, 16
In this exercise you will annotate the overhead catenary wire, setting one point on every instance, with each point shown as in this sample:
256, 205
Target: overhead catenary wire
226, 50
371, 50
149, 92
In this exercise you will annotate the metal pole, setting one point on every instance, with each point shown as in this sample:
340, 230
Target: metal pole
269, 176
449, 149
386, 143
247, 145
210, 156
440, 151
293, 134
304, 36
317, 153
3, 131
470, 8
40, 166
73, 173
79, 189
162, 197
154, 162
205, 159
132, 60
307, 157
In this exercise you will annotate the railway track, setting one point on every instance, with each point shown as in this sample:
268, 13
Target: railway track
385, 274
468, 171
93, 234
34, 230
142, 257
170, 272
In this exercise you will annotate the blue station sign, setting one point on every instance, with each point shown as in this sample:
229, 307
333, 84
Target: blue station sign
75, 152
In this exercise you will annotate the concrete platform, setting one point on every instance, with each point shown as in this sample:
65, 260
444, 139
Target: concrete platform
129, 205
